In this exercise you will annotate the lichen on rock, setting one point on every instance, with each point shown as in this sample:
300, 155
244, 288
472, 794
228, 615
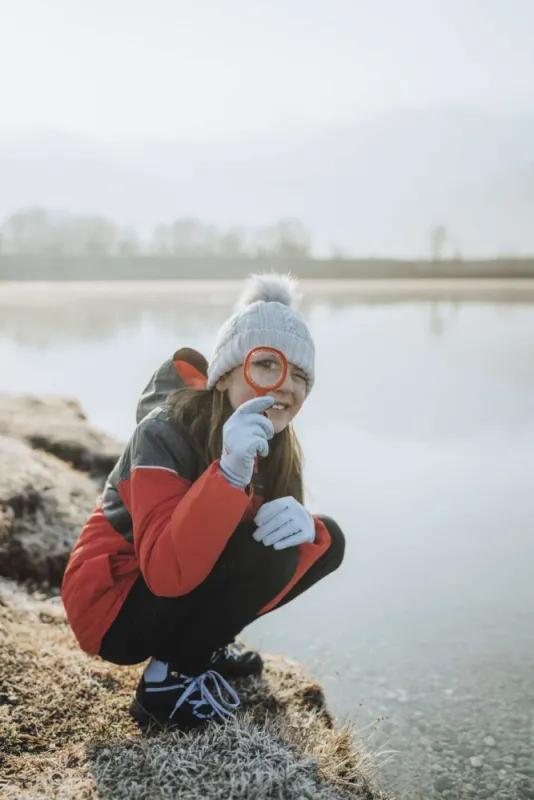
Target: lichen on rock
43, 505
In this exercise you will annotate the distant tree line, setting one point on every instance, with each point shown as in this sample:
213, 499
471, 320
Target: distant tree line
40, 231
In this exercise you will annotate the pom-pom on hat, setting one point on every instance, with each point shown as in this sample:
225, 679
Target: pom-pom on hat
265, 314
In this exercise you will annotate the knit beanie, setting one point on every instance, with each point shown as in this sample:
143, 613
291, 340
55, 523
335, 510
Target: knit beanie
265, 314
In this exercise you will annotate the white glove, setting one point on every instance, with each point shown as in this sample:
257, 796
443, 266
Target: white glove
245, 434
284, 522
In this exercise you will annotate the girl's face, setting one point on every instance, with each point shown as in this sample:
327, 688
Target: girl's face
291, 394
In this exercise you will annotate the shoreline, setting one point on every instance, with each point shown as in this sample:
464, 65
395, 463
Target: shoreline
42, 293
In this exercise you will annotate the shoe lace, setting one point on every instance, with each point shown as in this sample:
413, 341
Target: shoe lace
199, 684
230, 651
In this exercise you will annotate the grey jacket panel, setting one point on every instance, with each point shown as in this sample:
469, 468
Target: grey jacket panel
162, 383
157, 444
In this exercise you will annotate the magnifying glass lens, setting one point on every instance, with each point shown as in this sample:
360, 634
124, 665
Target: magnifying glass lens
265, 368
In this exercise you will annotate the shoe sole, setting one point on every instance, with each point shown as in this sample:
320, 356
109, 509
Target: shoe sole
142, 716
145, 719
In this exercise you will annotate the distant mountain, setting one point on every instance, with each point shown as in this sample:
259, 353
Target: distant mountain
373, 188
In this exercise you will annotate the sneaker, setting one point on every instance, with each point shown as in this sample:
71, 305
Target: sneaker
171, 699
235, 660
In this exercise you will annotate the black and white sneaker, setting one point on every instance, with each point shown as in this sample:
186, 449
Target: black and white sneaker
235, 660
171, 699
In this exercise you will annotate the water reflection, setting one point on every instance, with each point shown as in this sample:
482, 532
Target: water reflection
100, 320
89, 316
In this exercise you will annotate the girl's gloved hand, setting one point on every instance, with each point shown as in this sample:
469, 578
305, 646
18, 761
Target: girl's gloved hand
245, 434
284, 522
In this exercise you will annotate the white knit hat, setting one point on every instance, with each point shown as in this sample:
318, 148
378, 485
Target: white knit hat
265, 314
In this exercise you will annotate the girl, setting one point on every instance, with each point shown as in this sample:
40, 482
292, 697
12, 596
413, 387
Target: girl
188, 545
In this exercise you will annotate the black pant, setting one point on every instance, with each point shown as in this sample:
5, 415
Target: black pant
186, 630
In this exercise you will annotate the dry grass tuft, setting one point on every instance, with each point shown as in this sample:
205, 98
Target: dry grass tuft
65, 731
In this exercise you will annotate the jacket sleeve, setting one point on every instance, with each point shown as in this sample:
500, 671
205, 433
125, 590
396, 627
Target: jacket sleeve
180, 527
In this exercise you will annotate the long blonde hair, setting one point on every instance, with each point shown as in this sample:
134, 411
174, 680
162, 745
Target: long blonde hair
201, 413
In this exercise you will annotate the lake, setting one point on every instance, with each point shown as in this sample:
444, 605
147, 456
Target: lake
419, 441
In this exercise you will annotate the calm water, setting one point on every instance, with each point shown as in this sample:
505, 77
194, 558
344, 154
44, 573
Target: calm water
419, 440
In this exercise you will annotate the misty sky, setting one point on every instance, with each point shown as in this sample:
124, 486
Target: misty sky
179, 68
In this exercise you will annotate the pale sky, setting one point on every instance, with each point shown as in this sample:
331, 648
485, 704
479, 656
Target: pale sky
134, 69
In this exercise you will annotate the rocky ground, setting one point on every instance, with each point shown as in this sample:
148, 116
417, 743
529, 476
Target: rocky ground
64, 728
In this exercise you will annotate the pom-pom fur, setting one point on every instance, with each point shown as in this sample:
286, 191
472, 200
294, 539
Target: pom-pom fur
269, 287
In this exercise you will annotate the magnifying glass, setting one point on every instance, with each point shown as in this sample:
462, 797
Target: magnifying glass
265, 370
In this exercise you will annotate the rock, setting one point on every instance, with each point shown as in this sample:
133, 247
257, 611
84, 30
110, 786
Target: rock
509, 760
43, 505
443, 784
489, 741
59, 426
476, 762
466, 751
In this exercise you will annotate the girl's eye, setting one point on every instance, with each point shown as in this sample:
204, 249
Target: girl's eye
301, 378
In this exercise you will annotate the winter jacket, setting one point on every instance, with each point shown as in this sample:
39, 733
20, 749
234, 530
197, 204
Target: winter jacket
161, 514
